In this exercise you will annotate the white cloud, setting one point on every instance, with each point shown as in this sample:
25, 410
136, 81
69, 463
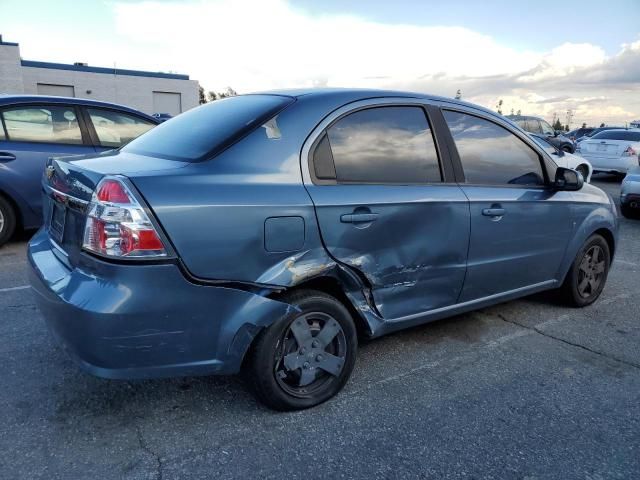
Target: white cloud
264, 44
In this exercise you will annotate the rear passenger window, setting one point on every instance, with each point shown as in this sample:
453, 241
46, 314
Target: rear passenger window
379, 145
492, 155
51, 124
115, 129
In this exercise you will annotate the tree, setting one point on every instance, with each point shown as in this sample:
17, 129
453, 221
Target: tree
203, 98
499, 107
584, 124
458, 94
519, 112
228, 92
557, 125
602, 124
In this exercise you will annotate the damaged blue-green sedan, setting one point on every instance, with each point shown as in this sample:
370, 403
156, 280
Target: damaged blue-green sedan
268, 232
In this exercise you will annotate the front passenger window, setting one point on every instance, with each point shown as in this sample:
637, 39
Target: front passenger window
491, 154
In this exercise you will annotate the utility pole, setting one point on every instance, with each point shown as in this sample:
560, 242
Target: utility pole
569, 117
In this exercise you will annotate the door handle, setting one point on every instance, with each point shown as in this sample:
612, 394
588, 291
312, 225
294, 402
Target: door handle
358, 217
6, 157
493, 212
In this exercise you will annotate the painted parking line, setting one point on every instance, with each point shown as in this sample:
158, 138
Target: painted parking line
625, 262
11, 289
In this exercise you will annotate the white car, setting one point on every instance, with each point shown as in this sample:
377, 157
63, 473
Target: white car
613, 151
565, 159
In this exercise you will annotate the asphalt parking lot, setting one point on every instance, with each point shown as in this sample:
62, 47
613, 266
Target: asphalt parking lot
528, 389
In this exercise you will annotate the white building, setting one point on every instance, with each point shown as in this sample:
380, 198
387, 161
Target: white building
150, 92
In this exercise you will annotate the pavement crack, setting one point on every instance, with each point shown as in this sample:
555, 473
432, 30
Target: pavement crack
145, 447
567, 342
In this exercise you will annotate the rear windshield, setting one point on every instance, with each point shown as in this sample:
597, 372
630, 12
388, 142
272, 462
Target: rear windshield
617, 135
202, 132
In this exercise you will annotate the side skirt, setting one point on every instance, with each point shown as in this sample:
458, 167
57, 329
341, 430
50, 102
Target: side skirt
401, 323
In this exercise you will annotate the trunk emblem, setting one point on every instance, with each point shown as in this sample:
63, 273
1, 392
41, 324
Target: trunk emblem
50, 171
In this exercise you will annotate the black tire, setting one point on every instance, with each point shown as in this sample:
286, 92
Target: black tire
628, 212
283, 387
7, 221
588, 273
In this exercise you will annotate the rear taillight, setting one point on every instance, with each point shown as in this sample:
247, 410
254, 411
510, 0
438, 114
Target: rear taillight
117, 225
629, 152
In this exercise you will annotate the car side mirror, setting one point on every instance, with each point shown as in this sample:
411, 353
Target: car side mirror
557, 132
568, 180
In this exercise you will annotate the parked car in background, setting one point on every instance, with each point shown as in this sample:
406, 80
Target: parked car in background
162, 117
630, 193
263, 231
612, 151
565, 159
595, 131
34, 128
579, 133
540, 126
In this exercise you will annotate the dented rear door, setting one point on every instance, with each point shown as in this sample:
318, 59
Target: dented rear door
385, 210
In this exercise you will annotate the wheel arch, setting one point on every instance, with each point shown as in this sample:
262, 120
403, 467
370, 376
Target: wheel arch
610, 239
331, 285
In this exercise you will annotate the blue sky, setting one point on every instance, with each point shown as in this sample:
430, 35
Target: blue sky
540, 24
540, 57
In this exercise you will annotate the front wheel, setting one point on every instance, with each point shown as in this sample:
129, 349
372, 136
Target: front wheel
304, 360
588, 273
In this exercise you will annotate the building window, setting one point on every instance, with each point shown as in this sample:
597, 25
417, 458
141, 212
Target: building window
56, 90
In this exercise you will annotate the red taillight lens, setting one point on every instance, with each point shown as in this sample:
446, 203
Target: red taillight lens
139, 240
112, 191
118, 226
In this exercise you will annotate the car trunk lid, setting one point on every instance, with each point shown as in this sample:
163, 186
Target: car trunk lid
603, 148
68, 186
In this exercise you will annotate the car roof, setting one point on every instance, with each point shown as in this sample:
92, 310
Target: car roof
523, 117
622, 129
348, 95
51, 99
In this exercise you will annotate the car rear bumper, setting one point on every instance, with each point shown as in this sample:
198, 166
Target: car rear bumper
611, 164
144, 321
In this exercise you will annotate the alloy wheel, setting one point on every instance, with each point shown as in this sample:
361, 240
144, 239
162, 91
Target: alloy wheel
311, 354
591, 272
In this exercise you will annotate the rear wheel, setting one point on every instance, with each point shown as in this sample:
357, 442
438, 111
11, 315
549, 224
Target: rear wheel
588, 273
302, 361
629, 212
7, 221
